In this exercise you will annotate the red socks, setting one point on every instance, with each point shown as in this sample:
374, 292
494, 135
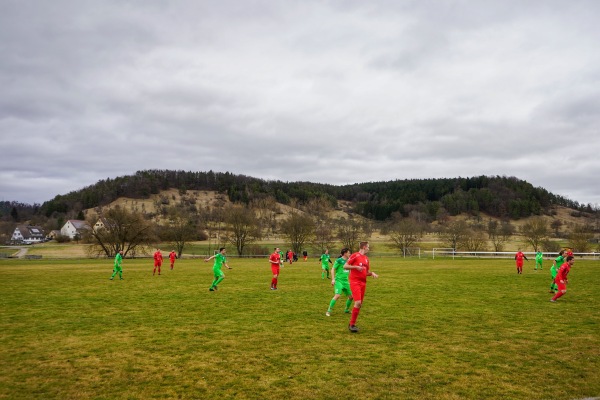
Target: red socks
557, 295
274, 282
354, 316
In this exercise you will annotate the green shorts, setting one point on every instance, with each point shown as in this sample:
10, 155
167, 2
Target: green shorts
218, 273
342, 287
117, 268
325, 266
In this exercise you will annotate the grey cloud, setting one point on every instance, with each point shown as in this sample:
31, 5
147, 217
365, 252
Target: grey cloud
335, 92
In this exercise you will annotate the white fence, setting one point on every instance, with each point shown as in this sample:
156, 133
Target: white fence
439, 252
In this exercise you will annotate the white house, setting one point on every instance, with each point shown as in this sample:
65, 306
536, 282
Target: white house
28, 234
74, 227
101, 224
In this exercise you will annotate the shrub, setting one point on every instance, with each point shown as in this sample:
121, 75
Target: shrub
63, 239
550, 246
255, 250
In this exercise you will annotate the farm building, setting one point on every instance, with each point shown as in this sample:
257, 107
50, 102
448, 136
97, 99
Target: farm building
74, 227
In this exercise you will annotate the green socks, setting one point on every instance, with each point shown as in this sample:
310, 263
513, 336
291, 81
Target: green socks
331, 304
348, 304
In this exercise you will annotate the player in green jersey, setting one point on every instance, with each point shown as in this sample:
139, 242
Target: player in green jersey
325, 261
117, 267
556, 264
539, 258
339, 281
220, 260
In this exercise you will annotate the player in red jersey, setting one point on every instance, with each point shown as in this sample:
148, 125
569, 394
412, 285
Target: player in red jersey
358, 264
519, 257
172, 257
275, 260
561, 278
290, 255
569, 252
158, 259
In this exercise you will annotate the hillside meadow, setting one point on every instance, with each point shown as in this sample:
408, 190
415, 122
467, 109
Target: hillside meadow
430, 329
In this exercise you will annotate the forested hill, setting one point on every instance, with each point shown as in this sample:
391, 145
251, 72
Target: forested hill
497, 196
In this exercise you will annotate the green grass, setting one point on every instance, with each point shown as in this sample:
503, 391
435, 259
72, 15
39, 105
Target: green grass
430, 329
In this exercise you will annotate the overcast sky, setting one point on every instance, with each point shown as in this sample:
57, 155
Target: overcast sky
324, 91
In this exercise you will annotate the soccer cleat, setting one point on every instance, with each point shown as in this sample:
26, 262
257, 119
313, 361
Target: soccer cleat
211, 289
328, 314
110, 279
120, 279
553, 301
347, 311
353, 328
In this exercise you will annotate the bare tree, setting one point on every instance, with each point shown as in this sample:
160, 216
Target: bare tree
405, 232
182, 228
242, 227
299, 229
212, 218
475, 241
499, 233
122, 230
351, 232
324, 237
266, 209
455, 234
580, 238
535, 232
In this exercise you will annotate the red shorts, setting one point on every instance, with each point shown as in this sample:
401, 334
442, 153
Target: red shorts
358, 290
157, 263
275, 269
561, 286
519, 264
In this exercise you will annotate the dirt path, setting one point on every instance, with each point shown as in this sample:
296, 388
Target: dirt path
22, 252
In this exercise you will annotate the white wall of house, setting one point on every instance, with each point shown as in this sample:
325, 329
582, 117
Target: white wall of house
17, 235
69, 230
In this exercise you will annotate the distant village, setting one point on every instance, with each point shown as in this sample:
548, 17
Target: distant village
73, 229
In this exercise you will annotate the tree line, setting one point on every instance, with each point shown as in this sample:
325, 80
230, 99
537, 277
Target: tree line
403, 208
498, 196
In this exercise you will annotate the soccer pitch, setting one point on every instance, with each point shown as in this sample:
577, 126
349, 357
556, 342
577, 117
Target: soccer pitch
430, 329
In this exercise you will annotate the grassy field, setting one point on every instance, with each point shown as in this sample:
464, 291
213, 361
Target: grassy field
430, 329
